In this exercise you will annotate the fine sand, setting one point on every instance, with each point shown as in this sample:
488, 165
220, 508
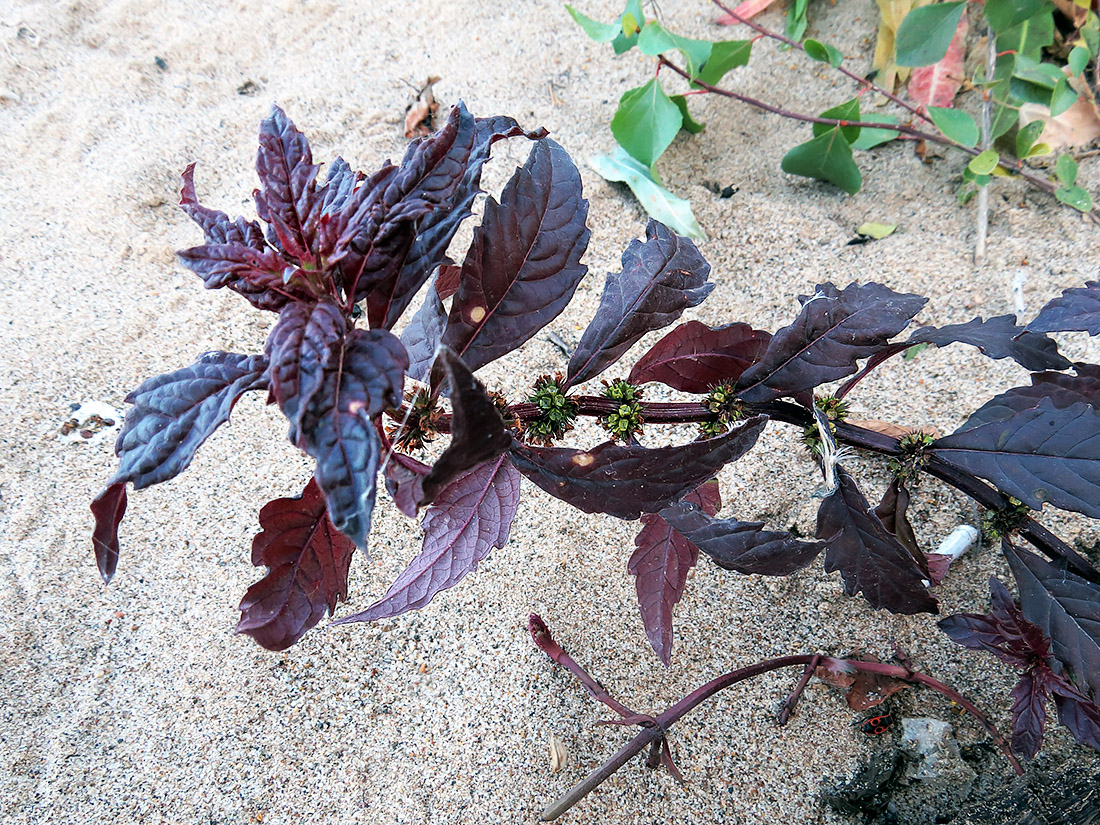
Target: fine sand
137, 703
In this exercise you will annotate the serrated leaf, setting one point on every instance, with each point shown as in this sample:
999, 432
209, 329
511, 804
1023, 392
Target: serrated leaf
984, 163
1076, 309
926, 33
600, 32
823, 52
1029, 714
689, 125
870, 559
849, 110
660, 278
1004, 14
628, 480
1080, 716
998, 338
1062, 390
299, 347
1041, 454
656, 39
870, 138
287, 192
360, 381
660, 564
258, 275
524, 262
827, 157
1066, 608
646, 122
423, 335
694, 357
470, 516
477, 431
405, 481
937, 85
1026, 137
307, 562
658, 202
958, 126
834, 330
725, 55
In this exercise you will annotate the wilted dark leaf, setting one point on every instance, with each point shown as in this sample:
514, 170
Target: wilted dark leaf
695, 357
477, 431
628, 480
868, 556
287, 190
299, 347
405, 480
1075, 310
307, 562
108, 508
660, 279
1039, 454
660, 564
1029, 714
1080, 715
423, 334
835, 329
892, 511
865, 690
359, 383
998, 338
524, 263
1066, 608
470, 516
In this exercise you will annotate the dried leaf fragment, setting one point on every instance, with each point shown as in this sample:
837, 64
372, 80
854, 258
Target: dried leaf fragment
419, 114
559, 754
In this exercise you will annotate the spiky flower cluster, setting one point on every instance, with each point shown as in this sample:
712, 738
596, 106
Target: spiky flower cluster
556, 411
723, 402
835, 410
906, 467
1007, 520
627, 420
420, 423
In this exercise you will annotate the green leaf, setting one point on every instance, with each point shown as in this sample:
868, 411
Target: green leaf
823, 52
870, 138
970, 177
630, 25
958, 126
796, 20
690, 124
1038, 150
658, 202
1004, 14
1027, 136
629, 22
725, 55
845, 111
1042, 74
878, 231
600, 32
827, 157
655, 39
1004, 117
1028, 38
1074, 196
1063, 97
926, 32
1065, 169
1078, 59
984, 163
646, 122
1091, 34
916, 350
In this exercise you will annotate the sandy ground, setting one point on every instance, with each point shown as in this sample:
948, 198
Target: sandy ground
136, 702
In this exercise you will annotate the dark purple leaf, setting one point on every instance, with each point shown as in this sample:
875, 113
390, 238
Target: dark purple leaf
1040, 454
628, 480
1062, 389
331, 205
524, 263
447, 280
998, 338
835, 329
423, 334
299, 348
892, 512
1029, 714
660, 564
255, 274
868, 556
428, 178
1080, 715
1075, 310
745, 547
695, 357
477, 430
938, 565
217, 228
287, 194
108, 508
1066, 608
1004, 632
307, 562
660, 278
405, 480
470, 516
359, 383
175, 413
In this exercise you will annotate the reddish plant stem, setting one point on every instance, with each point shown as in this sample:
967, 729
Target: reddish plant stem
792, 700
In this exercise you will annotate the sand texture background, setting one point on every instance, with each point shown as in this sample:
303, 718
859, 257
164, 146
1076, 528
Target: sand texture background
137, 703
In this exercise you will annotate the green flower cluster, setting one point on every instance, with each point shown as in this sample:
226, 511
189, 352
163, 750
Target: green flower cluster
906, 467
556, 411
723, 402
1007, 520
627, 420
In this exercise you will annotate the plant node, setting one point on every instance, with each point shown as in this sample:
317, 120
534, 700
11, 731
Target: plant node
627, 420
723, 402
1007, 520
835, 410
420, 426
907, 466
556, 411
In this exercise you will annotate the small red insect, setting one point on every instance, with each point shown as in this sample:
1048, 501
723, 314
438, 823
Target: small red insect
874, 725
